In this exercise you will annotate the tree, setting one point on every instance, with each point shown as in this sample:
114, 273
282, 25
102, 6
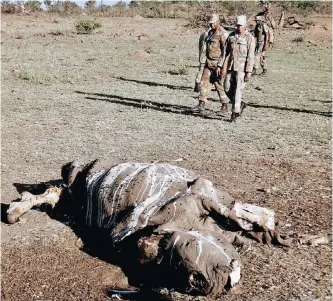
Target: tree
120, 4
47, 3
90, 4
33, 5
134, 4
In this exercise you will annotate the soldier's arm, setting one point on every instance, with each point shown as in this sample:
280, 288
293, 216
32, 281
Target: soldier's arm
226, 58
223, 51
202, 49
250, 54
266, 42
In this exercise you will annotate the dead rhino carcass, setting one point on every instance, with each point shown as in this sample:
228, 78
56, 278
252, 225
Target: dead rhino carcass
171, 218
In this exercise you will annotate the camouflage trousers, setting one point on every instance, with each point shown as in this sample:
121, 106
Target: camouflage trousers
208, 80
260, 57
234, 85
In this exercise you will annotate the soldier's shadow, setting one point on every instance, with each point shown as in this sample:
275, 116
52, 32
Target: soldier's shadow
153, 84
296, 110
149, 105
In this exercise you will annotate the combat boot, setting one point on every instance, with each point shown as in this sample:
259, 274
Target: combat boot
234, 116
223, 110
264, 72
197, 87
242, 107
200, 107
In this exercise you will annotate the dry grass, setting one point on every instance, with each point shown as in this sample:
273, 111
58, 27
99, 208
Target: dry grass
100, 95
196, 12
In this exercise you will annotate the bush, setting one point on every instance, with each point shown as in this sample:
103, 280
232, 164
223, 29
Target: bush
64, 7
57, 32
298, 40
227, 10
86, 26
305, 7
120, 4
90, 5
180, 70
7, 7
33, 5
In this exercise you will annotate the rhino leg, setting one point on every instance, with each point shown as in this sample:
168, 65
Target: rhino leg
257, 222
16, 209
245, 215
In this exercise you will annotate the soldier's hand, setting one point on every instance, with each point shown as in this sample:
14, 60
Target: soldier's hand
218, 72
223, 74
247, 76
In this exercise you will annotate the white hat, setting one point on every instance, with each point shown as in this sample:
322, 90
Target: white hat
241, 20
214, 18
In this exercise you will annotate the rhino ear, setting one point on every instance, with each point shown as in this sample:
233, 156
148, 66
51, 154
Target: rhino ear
70, 170
66, 171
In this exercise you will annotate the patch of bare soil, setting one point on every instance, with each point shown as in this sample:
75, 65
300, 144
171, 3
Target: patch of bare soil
110, 94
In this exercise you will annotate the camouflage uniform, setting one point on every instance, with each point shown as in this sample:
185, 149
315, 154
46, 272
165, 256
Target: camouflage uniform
240, 49
211, 57
202, 57
261, 36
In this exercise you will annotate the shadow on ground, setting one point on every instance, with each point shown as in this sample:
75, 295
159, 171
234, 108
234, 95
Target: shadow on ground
151, 105
153, 84
97, 243
184, 110
321, 113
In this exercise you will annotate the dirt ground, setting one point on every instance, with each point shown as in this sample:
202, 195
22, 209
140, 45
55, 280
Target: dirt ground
67, 96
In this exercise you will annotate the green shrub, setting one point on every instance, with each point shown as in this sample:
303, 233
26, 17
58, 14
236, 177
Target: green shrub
178, 70
57, 32
7, 7
90, 5
120, 4
64, 7
305, 7
298, 40
34, 77
86, 26
33, 5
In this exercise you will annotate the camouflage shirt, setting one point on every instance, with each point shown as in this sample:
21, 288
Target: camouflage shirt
213, 52
240, 49
261, 32
203, 47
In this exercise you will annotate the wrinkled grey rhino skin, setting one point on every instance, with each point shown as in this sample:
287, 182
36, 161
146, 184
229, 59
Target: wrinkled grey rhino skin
174, 220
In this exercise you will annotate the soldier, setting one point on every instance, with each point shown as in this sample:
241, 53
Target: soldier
267, 14
202, 58
238, 65
211, 61
261, 34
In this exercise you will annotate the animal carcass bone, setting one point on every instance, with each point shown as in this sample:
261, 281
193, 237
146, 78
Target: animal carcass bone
16, 209
174, 219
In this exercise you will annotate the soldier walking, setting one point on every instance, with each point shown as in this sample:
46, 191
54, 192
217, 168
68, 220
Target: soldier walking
202, 58
211, 61
238, 65
261, 34
267, 14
